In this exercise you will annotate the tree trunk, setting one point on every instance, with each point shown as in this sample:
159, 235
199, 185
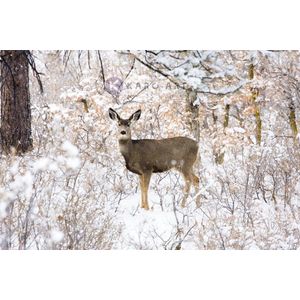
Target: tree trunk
254, 95
15, 102
292, 119
193, 110
219, 155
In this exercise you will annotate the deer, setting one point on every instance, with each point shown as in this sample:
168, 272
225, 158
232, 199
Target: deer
147, 156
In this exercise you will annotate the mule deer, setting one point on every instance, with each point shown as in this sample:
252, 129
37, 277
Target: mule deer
148, 156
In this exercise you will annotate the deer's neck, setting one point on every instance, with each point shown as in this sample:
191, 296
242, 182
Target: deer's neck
125, 147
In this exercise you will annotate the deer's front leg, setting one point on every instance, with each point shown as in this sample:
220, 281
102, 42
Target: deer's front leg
144, 182
142, 191
147, 177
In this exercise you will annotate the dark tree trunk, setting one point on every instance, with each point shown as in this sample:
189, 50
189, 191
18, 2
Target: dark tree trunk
254, 95
15, 102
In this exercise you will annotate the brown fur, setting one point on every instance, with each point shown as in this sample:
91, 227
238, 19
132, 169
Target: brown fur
148, 156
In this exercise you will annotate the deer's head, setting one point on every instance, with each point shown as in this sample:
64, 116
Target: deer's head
124, 124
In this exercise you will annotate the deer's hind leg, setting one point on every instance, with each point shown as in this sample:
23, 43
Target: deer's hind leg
196, 181
191, 179
188, 180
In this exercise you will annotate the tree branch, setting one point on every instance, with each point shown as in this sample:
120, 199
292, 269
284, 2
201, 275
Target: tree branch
184, 86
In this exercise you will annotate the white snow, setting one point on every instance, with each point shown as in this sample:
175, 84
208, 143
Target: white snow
70, 149
41, 164
56, 236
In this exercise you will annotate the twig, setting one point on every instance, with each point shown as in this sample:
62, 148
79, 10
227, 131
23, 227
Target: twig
66, 58
36, 74
131, 99
130, 70
102, 69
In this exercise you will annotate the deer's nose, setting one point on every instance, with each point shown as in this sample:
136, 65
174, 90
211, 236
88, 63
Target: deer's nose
123, 132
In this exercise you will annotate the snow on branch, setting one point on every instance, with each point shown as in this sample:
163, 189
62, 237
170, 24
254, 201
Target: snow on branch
206, 72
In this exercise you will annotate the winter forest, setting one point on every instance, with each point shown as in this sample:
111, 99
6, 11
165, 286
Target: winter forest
64, 182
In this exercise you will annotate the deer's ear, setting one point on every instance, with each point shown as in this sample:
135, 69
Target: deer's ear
113, 114
135, 116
